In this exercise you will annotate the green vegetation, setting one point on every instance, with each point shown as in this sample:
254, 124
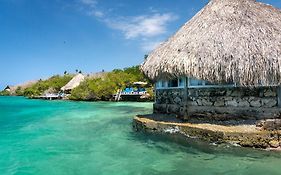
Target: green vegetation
92, 89
103, 88
52, 84
4, 93
19, 91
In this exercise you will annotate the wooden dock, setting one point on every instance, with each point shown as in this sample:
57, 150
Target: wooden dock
129, 96
49, 97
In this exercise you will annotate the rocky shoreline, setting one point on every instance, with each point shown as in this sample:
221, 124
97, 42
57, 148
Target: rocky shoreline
262, 134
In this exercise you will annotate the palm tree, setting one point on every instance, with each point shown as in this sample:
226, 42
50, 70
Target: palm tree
145, 57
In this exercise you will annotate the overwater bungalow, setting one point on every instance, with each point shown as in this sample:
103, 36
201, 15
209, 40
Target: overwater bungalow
224, 63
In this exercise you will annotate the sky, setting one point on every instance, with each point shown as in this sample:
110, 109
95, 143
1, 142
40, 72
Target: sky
41, 38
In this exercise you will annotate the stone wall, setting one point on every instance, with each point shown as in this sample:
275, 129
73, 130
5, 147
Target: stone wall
233, 97
261, 102
170, 101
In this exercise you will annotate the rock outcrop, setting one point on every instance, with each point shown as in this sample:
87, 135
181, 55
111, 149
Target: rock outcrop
265, 134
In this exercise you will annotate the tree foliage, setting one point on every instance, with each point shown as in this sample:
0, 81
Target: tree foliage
92, 89
4, 93
103, 88
55, 83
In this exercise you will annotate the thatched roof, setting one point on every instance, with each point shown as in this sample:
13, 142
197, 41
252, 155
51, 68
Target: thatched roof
7, 88
228, 40
74, 82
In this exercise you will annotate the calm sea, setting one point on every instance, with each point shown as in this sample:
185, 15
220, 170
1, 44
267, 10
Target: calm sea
56, 137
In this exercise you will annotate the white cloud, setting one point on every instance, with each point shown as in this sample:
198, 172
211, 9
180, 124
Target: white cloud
90, 8
147, 29
96, 13
89, 2
144, 25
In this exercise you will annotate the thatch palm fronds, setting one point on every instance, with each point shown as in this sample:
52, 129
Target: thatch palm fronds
74, 82
227, 41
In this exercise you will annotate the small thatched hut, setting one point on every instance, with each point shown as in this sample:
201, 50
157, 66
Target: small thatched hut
7, 88
225, 60
73, 83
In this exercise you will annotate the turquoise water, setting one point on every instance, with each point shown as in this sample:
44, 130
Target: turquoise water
56, 137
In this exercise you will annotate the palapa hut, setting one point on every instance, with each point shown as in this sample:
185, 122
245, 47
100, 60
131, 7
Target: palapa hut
225, 61
73, 83
8, 89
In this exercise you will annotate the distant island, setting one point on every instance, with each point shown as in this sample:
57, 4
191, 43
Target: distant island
95, 87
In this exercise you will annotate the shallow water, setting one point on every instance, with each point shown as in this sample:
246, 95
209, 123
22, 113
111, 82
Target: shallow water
56, 137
